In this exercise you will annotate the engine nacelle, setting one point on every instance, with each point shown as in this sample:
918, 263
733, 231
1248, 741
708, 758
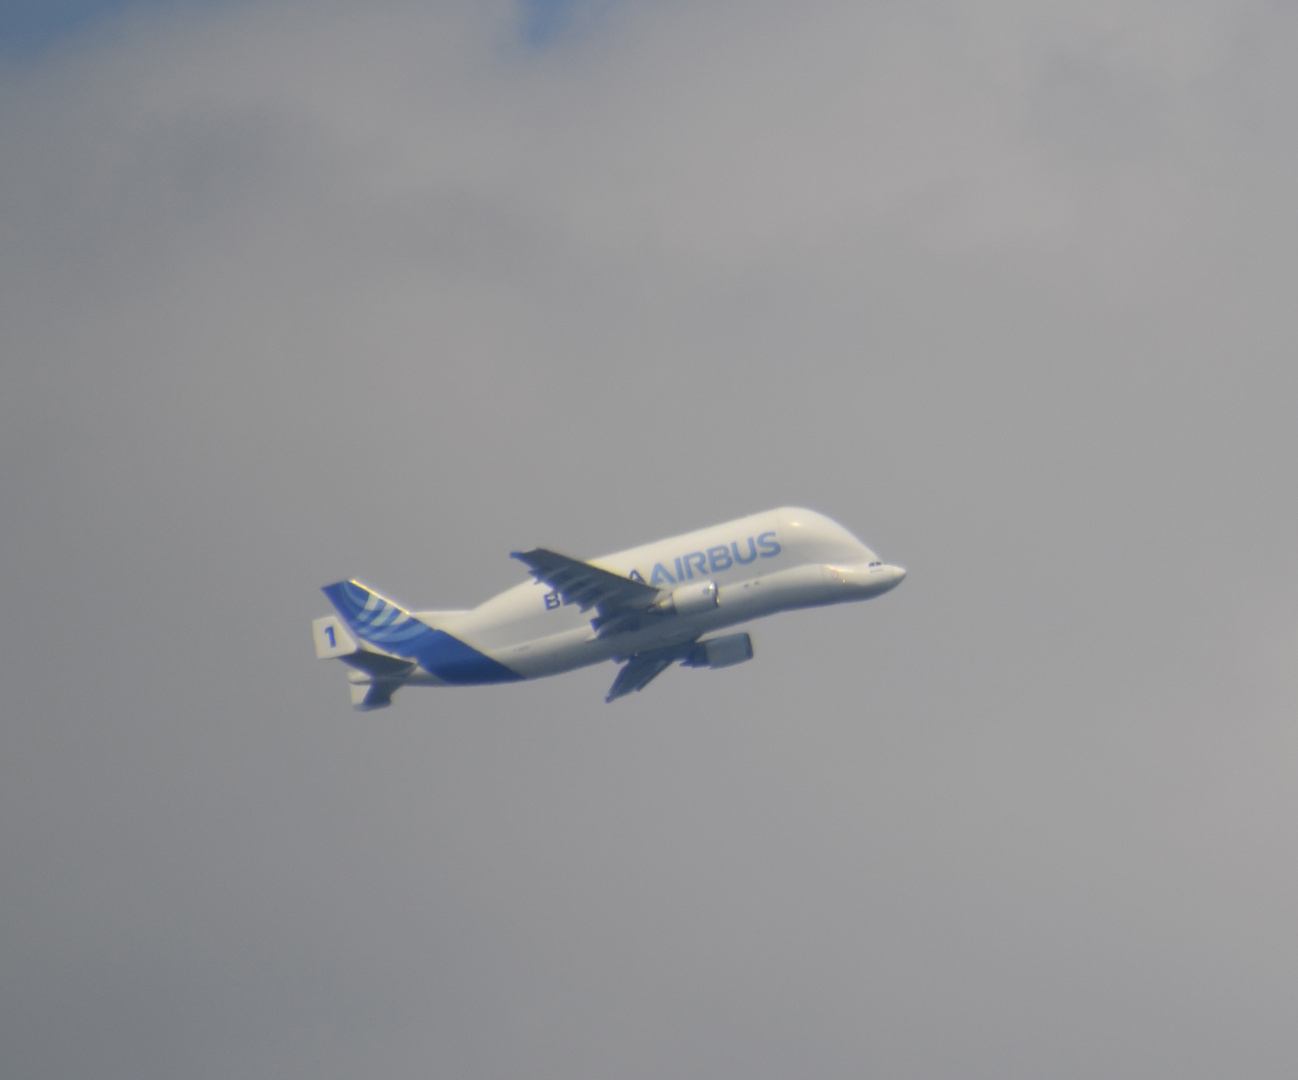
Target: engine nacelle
689, 599
721, 651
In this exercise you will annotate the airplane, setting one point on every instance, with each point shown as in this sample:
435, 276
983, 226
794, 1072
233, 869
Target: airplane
646, 608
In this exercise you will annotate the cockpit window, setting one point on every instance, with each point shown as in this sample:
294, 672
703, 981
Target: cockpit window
877, 562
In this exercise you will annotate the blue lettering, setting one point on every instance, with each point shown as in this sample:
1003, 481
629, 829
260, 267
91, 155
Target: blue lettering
661, 574
770, 548
715, 555
330, 631
752, 552
680, 574
691, 559
635, 576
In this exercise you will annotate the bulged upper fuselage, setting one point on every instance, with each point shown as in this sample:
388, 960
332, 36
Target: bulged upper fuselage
696, 583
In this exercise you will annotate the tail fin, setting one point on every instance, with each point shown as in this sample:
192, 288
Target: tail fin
376, 620
383, 627
380, 625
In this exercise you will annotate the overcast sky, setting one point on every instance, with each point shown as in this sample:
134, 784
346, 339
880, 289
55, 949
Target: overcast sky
297, 291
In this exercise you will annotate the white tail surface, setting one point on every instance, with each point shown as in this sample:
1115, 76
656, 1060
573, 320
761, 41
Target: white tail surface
332, 639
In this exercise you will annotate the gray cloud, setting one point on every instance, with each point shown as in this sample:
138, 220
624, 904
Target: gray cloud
291, 294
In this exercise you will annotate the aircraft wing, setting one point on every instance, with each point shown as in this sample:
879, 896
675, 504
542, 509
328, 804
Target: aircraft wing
642, 668
619, 600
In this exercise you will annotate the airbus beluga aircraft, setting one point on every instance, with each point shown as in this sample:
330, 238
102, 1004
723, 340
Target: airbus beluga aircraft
646, 608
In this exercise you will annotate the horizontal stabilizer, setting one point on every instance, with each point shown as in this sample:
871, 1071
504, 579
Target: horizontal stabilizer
373, 695
379, 665
376, 676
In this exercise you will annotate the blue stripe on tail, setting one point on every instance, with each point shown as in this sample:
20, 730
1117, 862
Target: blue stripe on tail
389, 627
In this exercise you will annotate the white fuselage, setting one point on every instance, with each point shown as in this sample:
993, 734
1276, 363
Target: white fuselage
761, 564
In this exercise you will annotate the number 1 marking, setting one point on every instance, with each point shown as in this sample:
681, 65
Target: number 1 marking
330, 631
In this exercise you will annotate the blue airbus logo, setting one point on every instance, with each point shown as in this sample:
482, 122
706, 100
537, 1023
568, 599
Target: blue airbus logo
712, 561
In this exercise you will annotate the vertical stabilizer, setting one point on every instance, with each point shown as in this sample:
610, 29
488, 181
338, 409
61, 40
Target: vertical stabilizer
384, 625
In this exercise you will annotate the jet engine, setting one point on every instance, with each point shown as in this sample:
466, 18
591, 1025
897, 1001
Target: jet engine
689, 599
720, 652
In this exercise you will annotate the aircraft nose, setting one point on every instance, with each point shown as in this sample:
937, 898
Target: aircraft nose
870, 579
877, 577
